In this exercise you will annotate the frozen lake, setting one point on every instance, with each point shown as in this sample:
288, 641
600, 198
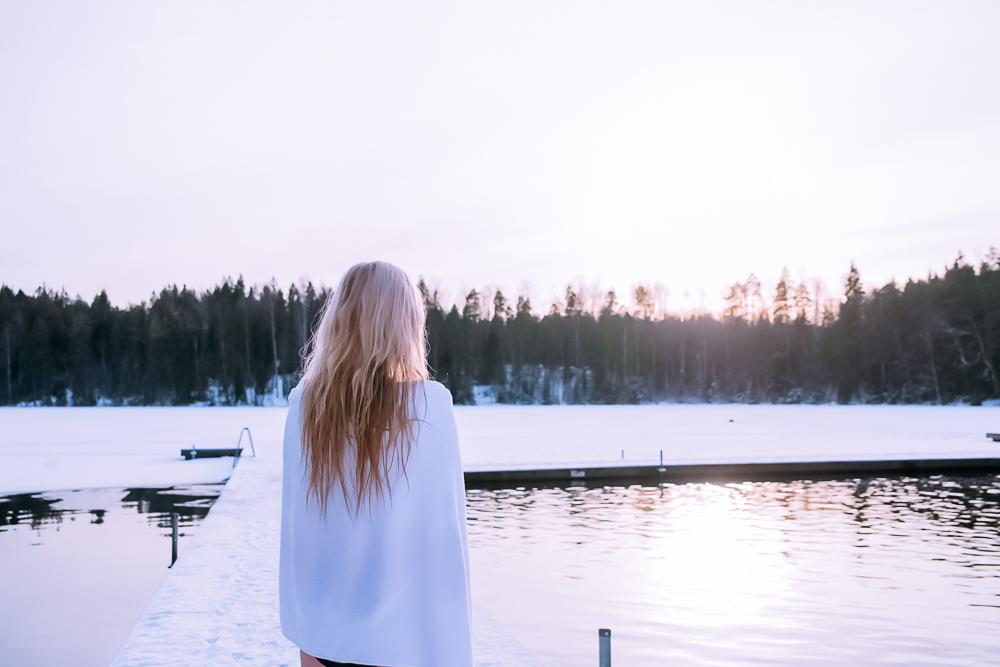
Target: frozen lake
56, 448
685, 573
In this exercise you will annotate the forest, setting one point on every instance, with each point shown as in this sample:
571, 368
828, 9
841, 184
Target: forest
932, 340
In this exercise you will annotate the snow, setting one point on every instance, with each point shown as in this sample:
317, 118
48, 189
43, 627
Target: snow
45, 449
219, 605
484, 394
61, 448
503, 436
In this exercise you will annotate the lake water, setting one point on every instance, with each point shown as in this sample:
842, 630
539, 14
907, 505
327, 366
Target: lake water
78, 567
881, 571
893, 571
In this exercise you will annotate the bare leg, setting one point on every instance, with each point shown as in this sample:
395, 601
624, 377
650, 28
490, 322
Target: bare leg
306, 660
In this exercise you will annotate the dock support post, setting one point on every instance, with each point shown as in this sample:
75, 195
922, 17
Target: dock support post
173, 538
604, 646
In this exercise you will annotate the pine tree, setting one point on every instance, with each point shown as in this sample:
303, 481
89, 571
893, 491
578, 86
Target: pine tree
780, 308
472, 311
847, 332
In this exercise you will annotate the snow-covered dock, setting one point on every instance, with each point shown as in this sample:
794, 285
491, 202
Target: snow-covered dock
219, 604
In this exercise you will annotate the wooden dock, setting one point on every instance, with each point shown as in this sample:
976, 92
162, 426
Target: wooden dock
219, 603
687, 472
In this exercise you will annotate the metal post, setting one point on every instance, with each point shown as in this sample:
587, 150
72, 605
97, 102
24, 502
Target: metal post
173, 538
604, 646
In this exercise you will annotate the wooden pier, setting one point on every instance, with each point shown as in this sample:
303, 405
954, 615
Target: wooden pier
688, 472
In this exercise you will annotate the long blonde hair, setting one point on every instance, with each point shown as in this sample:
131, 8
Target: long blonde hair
366, 355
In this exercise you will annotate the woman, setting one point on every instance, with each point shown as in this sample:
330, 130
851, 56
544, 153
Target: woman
374, 566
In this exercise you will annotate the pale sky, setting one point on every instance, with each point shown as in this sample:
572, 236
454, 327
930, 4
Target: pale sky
495, 143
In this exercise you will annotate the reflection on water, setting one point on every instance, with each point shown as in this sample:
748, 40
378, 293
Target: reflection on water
899, 571
78, 567
38, 509
876, 571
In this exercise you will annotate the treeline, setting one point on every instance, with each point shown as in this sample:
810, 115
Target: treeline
935, 340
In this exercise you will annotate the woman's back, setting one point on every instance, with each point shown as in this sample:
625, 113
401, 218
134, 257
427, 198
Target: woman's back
387, 584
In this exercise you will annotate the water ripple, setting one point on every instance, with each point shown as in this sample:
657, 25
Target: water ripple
857, 571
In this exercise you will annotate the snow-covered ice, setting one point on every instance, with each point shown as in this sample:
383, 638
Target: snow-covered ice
60, 448
505, 436
45, 449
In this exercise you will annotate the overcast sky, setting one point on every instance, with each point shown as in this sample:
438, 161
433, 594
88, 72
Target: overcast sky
495, 143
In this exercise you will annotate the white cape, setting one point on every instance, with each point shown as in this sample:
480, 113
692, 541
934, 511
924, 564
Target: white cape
387, 586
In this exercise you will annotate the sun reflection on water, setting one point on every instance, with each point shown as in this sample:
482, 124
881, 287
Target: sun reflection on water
744, 573
730, 568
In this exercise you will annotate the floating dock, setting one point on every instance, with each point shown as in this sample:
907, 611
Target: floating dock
209, 452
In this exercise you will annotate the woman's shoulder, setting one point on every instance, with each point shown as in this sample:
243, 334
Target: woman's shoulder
434, 410
432, 389
295, 395
435, 391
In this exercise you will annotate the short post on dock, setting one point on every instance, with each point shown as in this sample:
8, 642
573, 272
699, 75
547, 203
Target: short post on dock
604, 646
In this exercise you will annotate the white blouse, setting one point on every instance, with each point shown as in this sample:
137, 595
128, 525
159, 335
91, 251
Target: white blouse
388, 586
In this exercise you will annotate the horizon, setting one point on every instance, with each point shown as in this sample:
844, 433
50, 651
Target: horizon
591, 292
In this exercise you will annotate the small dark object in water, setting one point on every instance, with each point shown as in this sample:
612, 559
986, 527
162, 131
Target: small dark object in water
199, 453
731, 421
995, 436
